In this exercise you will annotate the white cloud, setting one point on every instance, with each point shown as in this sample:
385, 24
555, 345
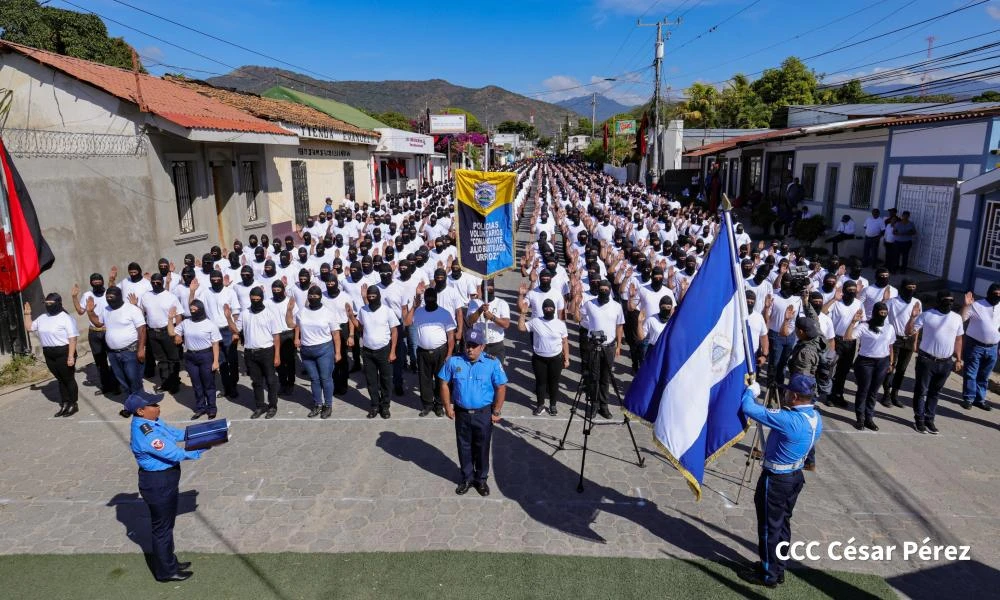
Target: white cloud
153, 53
993, 11
629, 89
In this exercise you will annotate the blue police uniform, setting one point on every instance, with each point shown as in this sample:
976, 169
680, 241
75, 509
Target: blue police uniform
472, 391
154, 444
794, 431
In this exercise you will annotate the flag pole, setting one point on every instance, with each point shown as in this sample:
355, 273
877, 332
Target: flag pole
727, 207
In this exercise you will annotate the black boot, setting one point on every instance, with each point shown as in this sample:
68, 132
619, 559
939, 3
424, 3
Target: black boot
71, 409
62, 409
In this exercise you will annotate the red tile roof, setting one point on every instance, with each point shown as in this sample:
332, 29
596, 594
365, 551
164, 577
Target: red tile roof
163, 98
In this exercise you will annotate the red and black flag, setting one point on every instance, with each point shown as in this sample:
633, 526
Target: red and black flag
641, 138
605, 136
20, 232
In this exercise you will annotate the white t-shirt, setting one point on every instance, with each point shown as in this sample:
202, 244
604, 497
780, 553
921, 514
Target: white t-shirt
825, 326
215, 303
842, 314
899, 313
99, 302
139, 288
874, 345
984, 322
466, 286
279, 310
872, 295
654, 327
338, 306
500, 308
762, 291
778, 306
874, 226
258, 329
432, 327
606, 318
55, 330
316, 326
758, 328
537, 297
376, 326
547, 336
649, 299
939, 332
122, 325
198, 335
157, 307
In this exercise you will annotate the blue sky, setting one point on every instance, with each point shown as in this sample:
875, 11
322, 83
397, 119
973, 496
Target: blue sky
550, 50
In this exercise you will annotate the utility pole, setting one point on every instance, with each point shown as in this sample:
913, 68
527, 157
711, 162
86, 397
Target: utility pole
657, 64
593, 115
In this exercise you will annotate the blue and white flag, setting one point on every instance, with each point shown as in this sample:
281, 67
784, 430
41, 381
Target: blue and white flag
691, 382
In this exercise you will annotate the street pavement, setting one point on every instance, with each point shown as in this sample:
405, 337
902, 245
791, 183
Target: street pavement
353, 484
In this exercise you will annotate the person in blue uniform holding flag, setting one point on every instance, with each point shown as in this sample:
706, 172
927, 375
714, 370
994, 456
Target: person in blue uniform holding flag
156, 449
795, 428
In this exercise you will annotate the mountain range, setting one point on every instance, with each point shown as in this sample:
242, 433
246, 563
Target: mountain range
490, 104
605, 109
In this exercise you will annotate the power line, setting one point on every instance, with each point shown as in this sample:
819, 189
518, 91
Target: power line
715, 27
874, 23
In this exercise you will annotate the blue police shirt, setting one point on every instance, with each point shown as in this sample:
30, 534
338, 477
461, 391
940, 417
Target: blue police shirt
154, 444
793, 433
474, 382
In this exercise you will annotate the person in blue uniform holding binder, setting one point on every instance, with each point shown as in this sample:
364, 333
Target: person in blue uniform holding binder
156, 450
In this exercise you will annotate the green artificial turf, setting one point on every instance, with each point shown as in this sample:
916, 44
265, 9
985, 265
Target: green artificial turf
391, 575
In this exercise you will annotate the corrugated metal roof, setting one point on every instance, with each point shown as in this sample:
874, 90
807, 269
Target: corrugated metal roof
337, 110
896, 108
163, 98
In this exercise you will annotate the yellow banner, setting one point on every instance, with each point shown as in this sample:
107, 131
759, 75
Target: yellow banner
483, 191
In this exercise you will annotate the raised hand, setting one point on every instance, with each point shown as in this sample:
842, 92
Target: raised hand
113, 274
858, 316
916, 311
790, 312
133, 299
172, 313
969, 298
194, 284
885, 294
172, 267
75, 291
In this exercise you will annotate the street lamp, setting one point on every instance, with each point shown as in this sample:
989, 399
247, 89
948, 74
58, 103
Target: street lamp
593, 107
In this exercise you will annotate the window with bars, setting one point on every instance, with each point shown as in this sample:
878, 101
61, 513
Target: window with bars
300, 192
809, 182
989, 247
348, 179
861, 186
250, 187
180, 174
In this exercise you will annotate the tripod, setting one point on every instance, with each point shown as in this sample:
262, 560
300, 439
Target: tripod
596, 356
756, 451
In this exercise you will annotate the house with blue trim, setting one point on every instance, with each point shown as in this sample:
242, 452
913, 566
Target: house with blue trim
920, 163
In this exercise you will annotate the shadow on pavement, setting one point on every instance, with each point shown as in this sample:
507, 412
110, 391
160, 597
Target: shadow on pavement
964, 579
131, 511
420, 453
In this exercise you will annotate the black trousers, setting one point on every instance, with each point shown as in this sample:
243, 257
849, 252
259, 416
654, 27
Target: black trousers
286, 372
846, 350
931, 375
378, 373
602, 363
902, 352
229, 362
903, 255
634, 345
584, 343
429, 362
775, 500
498, 351
55, 360
149, 366
167, 359
356, 350
835, 240
159, 490
260, 368
869, 373
108, 382
474, 430
547, 370
342, 368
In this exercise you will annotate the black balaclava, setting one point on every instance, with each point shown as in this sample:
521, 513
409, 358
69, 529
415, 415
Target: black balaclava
850, 292
156, 282
163, 266
355, 271
373, 297
307, 239
285, 259
207, 262
53, 304
690, 266
332, 287
234, 260
545, 281
881, 277
385, 275
829, 283
430, 299
645, 271
746, 268
993, 294
816, 301
265, 241
257, 300
216, 280
259, 254
945, 301
305, 277
238, 247
405, 270
907, 290
604, 292
269, 268
315, 298
197, 309
289, 243
656, 279
761, 274
320, 251
97, 284
276, 246
751, 300
855, 272
277, 291
189, 260
548, 309
216, 253
440, 280
456, 271
187, 275
114, 297
303, 256
246, 276
325, 270
134, 272
666, 306
367, 265
252, 241
880, 312
390, 254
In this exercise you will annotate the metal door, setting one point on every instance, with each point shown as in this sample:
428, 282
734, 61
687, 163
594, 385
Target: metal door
932, 210
300, 192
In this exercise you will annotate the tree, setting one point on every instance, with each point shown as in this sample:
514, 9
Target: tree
472, 124
990, 96
543, 143
583, 127
739, 107
791, 83
701, 108
525, 130
392, 119
849, 93
64, 32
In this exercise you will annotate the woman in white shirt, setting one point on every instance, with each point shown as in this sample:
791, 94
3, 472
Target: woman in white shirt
317, 336
550, 352
58, 333
873, 362
201, 340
